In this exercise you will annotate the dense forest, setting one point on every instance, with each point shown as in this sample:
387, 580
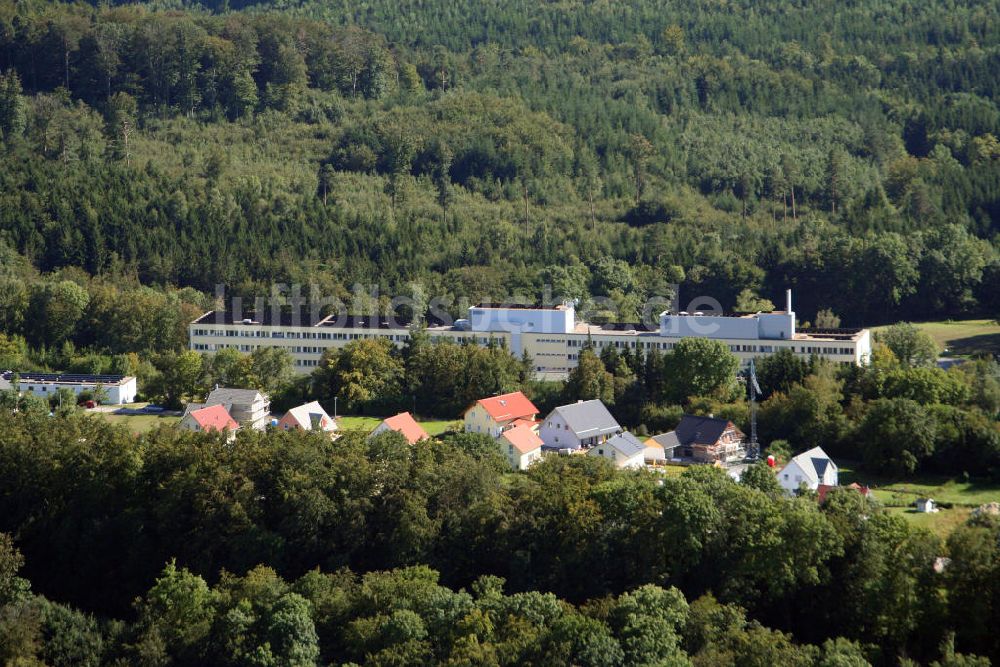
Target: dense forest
606, 149
287, 549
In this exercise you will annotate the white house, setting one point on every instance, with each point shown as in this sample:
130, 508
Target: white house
496, 414
624, 450
249, 407
583, 424
811, 468
521, 445
119, 389
308, 417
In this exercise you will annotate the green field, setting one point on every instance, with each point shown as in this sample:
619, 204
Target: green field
137, 423
963, 337
897, 495
433, 427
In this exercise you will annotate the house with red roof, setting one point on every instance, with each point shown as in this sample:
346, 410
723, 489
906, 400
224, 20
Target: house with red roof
405, 424
210, 419
496, 414
521, 445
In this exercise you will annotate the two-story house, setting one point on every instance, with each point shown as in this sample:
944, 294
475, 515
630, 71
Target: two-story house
579, 425
249, 407
496, 414
703, 440
810, 469
521, 445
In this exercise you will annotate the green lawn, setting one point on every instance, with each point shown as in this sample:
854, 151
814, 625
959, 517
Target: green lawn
963, 337
433, 427
137, 423
940, 523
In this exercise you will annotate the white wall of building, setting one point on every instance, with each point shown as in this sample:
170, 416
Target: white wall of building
556, 434
637, 460
117, 394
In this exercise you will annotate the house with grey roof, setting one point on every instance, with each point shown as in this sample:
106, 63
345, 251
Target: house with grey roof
810, 468
579, 425
702, 440
249, 407
624, 450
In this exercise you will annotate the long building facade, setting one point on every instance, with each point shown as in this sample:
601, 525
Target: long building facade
551, 337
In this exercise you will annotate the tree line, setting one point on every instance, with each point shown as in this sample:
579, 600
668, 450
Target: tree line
453, 554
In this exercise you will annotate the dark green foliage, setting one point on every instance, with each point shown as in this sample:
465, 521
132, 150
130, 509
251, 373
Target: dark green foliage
460, 147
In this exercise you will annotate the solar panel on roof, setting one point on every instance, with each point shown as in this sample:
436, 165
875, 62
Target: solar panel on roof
67, 377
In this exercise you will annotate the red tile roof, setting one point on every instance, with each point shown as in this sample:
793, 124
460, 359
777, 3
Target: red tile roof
523, 438
405, 423
823, 489
533, 424
214, 418
508, 406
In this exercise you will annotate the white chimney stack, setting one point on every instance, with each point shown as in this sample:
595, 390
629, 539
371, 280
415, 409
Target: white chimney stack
788, 300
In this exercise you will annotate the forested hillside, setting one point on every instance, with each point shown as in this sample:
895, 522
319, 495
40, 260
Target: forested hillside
608, 149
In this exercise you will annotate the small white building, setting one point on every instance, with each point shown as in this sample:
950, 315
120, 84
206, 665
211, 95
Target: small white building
522, 446
119, 389
624, 450
811, 468
583, 424
926, 505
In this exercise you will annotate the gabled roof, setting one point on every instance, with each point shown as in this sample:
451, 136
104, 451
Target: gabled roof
312, 417
813, 463
228, 396
627, 444
214, 418
588, 419
508, 406
694, 430
405, 423
664, 440
523, 438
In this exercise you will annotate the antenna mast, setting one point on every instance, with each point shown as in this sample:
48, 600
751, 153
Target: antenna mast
753, 451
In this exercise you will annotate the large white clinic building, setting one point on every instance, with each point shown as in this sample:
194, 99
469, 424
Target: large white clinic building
551, 336
119, 389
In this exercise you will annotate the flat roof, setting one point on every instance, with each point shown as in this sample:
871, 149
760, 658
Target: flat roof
66, 378
520, 306
303, 317
710, 313
436, 324
814, 333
